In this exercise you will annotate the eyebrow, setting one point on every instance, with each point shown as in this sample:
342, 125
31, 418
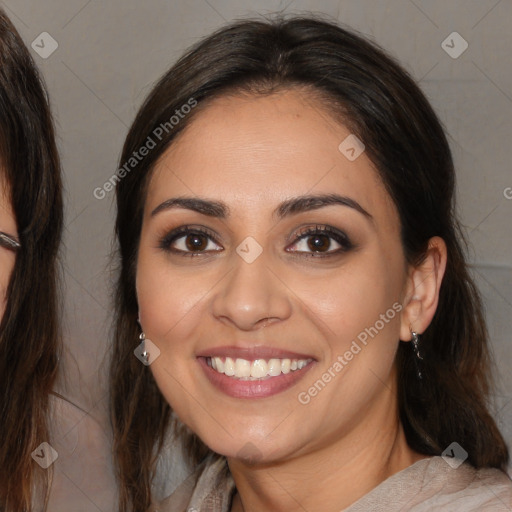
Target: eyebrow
292, 206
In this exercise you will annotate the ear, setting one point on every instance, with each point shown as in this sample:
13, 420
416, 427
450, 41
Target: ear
422, 290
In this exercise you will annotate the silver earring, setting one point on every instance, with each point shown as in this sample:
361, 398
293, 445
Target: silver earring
142, 338
415, 344
144, 353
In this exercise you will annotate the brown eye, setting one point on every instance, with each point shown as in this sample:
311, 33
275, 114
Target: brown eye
320, 240
189, 241
196, 242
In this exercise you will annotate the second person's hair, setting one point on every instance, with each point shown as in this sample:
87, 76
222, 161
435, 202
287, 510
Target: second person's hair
29, 330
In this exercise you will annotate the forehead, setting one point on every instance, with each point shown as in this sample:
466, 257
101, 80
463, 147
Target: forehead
255, 151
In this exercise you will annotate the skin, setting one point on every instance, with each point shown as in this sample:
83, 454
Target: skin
253, 152
7, 257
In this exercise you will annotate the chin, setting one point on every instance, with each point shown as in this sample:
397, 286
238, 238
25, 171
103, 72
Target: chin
251, 450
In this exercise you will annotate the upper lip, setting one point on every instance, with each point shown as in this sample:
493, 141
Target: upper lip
252, 353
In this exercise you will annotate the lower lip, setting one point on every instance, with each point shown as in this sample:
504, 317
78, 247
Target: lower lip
260, 388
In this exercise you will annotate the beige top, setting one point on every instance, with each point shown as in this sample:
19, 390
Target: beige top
429, 484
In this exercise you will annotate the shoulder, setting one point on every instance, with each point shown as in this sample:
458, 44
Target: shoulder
470, 489
209, 487
475, 489
434, 484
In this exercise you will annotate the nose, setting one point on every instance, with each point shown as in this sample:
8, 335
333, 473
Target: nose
251, 295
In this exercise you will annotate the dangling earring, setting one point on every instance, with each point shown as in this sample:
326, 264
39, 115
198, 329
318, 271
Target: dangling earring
144, 353
415, 344
141, 349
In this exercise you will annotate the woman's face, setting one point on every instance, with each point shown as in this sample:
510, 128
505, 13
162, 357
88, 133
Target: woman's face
7, 256
304, 293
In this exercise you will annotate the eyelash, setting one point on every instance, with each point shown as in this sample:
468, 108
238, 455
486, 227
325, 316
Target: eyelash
338, 236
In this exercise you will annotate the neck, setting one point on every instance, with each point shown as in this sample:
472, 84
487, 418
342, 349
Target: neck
330, 477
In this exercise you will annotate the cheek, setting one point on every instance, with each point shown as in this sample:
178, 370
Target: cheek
354, 296
168, 302
159, 307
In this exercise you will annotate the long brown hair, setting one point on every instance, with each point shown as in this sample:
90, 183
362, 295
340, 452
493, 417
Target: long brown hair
29, 330
365, 89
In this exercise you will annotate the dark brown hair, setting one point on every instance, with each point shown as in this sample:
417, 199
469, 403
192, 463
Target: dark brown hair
29, 331
366, 90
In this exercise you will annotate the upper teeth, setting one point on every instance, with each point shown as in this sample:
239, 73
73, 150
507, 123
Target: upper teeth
257, 369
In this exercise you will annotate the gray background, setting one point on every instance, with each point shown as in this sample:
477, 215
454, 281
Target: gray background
111, 52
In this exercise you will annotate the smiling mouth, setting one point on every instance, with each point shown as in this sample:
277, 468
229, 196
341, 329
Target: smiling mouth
257, 369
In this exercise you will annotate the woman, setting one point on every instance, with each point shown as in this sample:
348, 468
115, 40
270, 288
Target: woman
31, 224
294, 273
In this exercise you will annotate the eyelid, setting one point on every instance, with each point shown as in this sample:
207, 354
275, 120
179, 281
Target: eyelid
320, 228
337, 235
